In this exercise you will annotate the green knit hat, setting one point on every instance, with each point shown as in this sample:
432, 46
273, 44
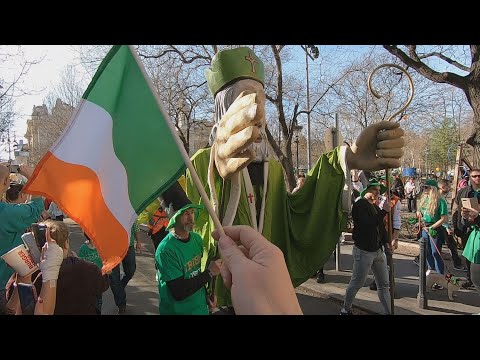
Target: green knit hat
229, 65
173, 220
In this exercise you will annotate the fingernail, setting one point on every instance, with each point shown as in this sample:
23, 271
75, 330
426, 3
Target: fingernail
225, 242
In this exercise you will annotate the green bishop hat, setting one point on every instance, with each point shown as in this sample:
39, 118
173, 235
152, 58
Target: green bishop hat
233, 64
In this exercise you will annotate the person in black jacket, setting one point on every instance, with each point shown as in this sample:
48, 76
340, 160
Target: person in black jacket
370, 240
461, 216
398, 187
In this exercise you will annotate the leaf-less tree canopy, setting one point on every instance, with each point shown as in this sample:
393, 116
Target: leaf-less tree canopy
463, 58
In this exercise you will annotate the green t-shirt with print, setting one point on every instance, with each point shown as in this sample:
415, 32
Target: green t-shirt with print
175, 259
442, 209
89, 253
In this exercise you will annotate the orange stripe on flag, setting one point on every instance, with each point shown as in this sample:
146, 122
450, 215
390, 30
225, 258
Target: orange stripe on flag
76, 190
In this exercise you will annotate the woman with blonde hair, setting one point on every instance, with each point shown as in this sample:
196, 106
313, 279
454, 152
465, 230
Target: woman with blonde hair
433, 212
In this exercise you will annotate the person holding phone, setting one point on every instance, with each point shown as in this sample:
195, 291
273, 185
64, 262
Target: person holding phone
22, 291
14, 219
463, 218
78, 283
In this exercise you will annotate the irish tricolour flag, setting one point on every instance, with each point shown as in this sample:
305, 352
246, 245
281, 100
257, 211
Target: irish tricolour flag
116, 155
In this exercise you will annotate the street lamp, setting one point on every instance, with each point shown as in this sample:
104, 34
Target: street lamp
312, 52
296, 129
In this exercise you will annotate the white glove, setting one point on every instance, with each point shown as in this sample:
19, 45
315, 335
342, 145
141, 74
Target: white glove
52, 258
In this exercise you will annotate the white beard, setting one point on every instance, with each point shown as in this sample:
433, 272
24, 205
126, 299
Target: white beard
261, 149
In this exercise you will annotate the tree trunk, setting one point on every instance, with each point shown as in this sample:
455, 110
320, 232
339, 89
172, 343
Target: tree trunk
288, 166
285, 161
473, 96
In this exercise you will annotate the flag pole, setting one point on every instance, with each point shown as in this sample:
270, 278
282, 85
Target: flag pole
180, 145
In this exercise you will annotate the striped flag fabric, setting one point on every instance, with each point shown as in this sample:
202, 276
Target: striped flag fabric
114, 158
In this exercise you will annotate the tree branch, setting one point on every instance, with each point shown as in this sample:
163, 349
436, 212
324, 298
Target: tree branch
445, 58
183, 58
414, 61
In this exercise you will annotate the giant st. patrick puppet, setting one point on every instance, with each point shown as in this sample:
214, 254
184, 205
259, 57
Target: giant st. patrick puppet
246, 186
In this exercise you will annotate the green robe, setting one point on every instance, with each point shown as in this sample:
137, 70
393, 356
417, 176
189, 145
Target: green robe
305, 225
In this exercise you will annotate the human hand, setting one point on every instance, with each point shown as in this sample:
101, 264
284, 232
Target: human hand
212, 302
387, 206
449, 231
26, 171
215, 266
237, 130
394, 244
472, 215
388, 248
379, 146
51, 259
256, 273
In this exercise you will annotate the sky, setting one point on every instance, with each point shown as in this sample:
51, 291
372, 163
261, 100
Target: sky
40, 79
43, 76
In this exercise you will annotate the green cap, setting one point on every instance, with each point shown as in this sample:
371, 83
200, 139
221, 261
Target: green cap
229, 65
431, 182
373, 183
173, 220
384, 177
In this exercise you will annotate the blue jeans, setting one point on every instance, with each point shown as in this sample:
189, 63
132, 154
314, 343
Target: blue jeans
118, 285
362, 262
434, 258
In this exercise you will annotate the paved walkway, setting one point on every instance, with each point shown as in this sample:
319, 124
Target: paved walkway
142, 290
406, 286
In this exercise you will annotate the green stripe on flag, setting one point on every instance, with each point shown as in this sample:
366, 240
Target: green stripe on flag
142, 139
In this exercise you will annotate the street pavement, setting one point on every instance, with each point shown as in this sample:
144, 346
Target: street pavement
142, 290
314, 298
406, 286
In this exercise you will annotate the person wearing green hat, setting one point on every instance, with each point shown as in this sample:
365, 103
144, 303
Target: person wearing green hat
370, 243
433, 212
181, 283
247, 186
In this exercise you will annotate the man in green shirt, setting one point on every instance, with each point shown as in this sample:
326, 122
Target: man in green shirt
181, 283
14, 219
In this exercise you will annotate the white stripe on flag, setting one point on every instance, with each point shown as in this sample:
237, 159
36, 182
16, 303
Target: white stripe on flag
89, 142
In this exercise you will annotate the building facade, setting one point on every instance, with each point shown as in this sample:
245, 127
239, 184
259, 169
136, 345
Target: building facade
44, 128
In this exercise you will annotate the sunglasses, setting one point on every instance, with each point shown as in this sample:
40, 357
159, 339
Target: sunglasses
474, 176
426, 187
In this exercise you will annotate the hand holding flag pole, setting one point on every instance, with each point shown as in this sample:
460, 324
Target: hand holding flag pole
387, 171
179, 143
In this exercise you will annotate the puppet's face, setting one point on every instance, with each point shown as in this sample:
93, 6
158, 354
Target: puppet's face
239, 139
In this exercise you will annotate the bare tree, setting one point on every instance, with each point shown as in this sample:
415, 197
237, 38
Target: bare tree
49, 120
177, 73
420, 59
11, 81
90, 56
